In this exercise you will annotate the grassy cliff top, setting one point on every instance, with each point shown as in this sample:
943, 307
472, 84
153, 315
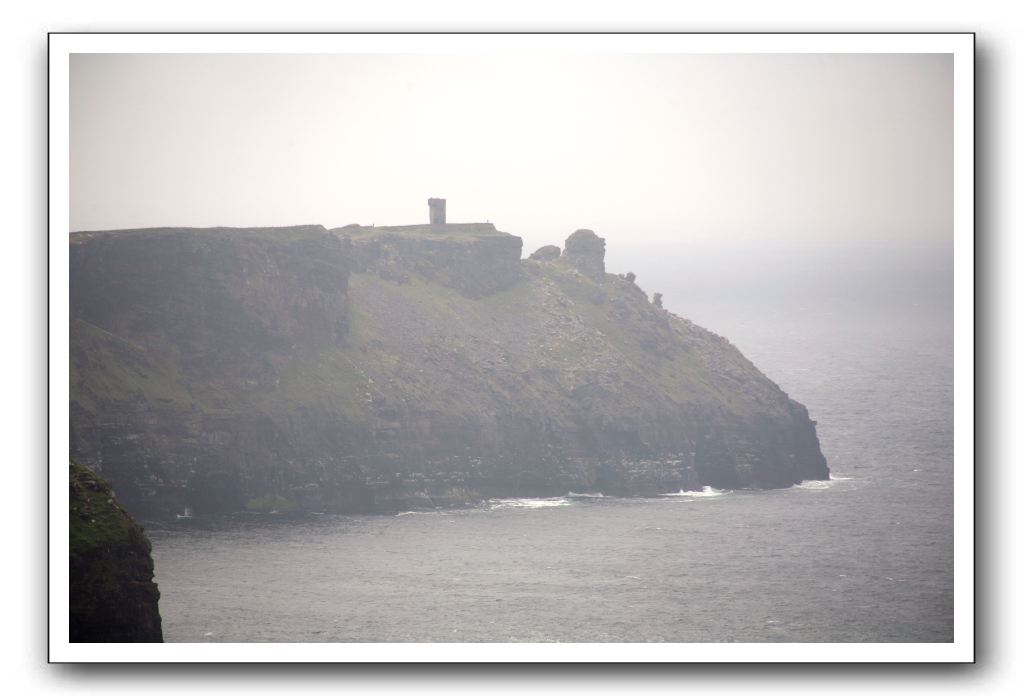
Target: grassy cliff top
289, 233
449, 231
97, 521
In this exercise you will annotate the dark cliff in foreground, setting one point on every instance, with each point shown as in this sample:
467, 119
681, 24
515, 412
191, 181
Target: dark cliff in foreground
372, 368
113, 597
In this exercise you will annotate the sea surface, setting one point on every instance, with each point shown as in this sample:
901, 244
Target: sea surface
865, 557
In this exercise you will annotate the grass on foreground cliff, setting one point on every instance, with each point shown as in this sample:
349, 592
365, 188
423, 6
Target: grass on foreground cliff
112, 597
97, 521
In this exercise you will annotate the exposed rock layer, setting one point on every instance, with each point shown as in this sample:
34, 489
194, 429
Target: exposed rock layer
371, 368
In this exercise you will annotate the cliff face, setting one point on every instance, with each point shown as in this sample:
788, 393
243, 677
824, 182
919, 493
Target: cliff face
113, 597
474, 259
380, 368
201, 294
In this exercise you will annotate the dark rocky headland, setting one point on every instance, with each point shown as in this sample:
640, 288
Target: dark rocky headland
368, 369
113, 598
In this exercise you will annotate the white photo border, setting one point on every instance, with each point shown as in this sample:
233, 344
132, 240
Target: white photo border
960, 45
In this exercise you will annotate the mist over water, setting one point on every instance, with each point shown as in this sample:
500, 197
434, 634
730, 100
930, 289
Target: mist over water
862, 337
715, 284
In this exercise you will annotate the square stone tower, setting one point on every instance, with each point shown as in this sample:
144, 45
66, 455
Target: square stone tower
438, 211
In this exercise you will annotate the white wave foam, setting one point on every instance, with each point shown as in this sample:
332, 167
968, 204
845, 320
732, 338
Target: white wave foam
503, 503
707, 492
822, 485
814, 485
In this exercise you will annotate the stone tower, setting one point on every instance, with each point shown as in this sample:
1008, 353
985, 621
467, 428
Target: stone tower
585, 250
438, 211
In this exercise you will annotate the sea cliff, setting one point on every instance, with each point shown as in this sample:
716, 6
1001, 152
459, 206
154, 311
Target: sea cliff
113, 598
383, 368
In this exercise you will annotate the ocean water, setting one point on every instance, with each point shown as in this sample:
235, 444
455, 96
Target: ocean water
866, 557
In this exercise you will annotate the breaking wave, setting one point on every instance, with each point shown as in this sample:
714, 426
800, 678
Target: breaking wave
707, 492
822, 485
504, 503
814, 485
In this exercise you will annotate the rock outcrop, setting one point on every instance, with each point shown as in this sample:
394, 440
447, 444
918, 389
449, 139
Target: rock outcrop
549, 252
113, 596
379, 368
585, 250
472, 258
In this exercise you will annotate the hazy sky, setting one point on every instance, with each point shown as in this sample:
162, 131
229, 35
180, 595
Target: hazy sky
641, 148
